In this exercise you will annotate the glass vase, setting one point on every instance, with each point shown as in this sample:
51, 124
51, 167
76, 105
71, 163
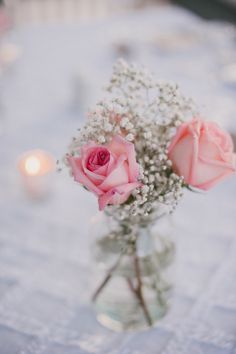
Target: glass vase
132, 282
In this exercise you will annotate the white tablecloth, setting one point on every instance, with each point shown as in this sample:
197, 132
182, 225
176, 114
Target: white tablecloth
45, 268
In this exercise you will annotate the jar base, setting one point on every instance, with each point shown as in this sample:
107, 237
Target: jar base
121, 321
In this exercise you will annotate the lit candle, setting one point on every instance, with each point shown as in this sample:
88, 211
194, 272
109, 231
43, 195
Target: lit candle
35, 167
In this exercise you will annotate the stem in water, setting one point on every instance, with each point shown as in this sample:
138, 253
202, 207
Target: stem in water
106, 279
139, 291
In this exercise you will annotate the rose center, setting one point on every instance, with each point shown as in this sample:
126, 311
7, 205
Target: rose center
98, 158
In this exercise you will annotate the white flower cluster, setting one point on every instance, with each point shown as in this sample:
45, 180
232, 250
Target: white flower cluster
145, 112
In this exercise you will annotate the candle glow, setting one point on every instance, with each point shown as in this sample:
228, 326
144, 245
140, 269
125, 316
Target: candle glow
32, 165
36, 163
35, 167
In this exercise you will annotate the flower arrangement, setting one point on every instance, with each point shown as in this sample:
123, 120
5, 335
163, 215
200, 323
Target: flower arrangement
137, 152
130, 156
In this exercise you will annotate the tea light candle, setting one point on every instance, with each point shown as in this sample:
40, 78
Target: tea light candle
35, 168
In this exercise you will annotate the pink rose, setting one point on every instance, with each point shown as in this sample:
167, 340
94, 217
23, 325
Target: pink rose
202, 153
109, 171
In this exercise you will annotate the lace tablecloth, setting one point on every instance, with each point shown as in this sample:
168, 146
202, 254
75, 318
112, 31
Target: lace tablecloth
45, 268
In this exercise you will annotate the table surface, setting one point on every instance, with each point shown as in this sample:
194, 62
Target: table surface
45, 264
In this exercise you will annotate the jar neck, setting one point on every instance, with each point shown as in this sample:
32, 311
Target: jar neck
135, 221
145, 243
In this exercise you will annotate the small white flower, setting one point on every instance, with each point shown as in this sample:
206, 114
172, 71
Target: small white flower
148, 135
101, 139
124, 121
145, 189
129, 126
151, 178
108, 127
130, 137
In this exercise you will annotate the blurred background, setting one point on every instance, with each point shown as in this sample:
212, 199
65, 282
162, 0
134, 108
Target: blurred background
55, 58
73, 10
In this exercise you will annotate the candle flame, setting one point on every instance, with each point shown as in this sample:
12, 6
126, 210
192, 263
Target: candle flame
32, 165
36, 163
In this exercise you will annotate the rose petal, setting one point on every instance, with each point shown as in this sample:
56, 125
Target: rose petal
117, 195
224, 164
208, 148
85, 148
98, 175
179, 135
207, 172
94, 177
120, 146
96, 158
221, 137
111, 164
79, 175
118, 176
181, 157
206, 185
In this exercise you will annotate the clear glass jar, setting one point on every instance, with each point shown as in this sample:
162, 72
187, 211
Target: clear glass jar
132, 264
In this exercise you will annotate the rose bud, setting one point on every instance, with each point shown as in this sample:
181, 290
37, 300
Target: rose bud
202, 153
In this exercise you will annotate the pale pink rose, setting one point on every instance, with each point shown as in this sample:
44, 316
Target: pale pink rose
109, 171
202, 153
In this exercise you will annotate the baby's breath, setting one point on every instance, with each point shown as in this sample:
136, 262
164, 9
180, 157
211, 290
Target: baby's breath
146, 112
